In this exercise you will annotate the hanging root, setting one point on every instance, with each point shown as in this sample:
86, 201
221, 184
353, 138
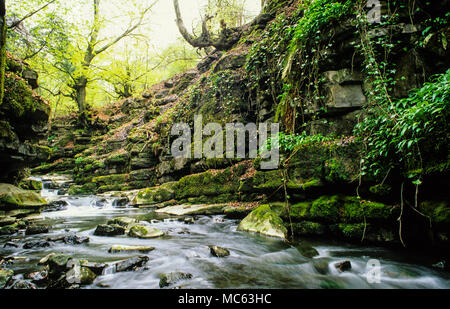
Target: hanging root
400, 217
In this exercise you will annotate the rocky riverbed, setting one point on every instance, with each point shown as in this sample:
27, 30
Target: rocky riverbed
101, 242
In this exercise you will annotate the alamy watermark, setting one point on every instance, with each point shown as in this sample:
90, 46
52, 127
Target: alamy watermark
235, 140
374, 14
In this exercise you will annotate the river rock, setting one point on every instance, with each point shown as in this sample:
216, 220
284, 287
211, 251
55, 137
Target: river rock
56, 206
96, 268
7, 221
343, 266
38, 277
218, 251
121, 202
5, 276
131, 264
36, 229
321, 265
74, 239
142, 231
80, 275
57, 264
169, 279
307, 251
265, 221
109, 230
36, 244
122, 221
142, 249
12, 197
20, 284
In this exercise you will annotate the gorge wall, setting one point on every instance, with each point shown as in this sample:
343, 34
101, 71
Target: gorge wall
301, 68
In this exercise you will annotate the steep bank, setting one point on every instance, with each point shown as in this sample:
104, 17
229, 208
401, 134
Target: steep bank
23, 121
306, 69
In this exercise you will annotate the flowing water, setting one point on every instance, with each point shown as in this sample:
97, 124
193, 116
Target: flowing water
255, 261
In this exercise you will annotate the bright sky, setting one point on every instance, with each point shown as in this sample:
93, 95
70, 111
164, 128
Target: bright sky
164, 28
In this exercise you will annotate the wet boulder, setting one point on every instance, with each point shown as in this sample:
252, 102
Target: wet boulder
218, 251
142, 249
56, 206
143, 231
321, 265
5, 277
56, 263
20, 284
343, 266
265, 221
36, 229
96, 268
74, 239
12, 197
36, 244
109, 230
80, 275
38, 277
169, 279
307, 251
131, 264
122, 221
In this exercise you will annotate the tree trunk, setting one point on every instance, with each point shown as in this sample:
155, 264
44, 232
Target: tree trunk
2, 48
80, 89
226, 39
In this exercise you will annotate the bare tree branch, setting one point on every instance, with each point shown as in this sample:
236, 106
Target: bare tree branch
16, 23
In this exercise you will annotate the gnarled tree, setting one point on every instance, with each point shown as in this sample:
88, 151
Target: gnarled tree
225, 40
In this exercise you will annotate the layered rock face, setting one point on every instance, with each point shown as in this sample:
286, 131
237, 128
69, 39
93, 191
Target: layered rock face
127, 145
23, 121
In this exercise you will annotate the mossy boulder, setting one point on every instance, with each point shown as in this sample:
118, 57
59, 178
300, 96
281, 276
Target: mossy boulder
5, 276
308, 228
265, 221
155, 195
30, 184
141, 249
12, 197
144, 231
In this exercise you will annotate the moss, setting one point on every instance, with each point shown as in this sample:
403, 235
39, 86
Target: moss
438, 211
207, 183
86, 189
326, 208
381, 190
300, 211
350, 231
112, 180
264, 220
30, 184
271, 180
156, 195
118, 159
12, 197
308, 228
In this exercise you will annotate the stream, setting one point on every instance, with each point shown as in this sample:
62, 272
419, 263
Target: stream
255, 261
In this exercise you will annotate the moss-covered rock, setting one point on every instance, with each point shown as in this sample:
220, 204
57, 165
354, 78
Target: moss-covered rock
12, 197
122, 221
5, 276
265, 221
144, 231
155, 195
141, 249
